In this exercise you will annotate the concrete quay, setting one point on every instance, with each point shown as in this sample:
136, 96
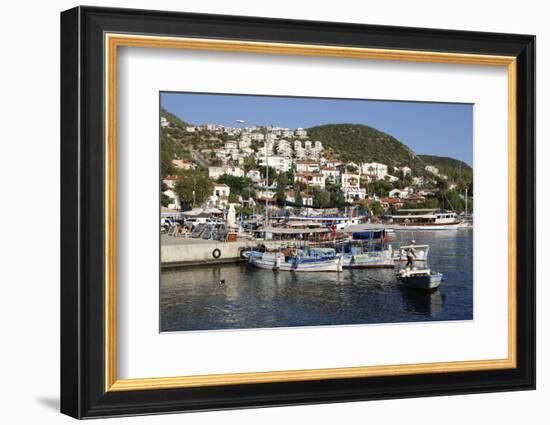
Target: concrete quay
180, 252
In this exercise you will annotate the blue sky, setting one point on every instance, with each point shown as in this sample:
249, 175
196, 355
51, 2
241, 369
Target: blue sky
443, 129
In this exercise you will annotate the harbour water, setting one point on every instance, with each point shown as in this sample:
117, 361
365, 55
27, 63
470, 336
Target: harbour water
239, 296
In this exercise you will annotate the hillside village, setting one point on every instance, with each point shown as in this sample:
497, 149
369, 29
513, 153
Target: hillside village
212, 165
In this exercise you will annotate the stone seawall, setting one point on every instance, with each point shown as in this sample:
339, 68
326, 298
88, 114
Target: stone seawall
189, 253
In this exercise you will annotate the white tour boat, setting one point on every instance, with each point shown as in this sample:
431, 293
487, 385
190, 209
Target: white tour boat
425, 219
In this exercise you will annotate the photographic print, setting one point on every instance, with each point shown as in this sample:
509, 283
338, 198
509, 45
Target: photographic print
292, 211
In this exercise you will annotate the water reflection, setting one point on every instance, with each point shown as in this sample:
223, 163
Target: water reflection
239, 296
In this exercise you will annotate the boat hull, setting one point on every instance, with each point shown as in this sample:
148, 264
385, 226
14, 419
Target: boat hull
427, 282
369, 260
333, 265
427, 227
277, 262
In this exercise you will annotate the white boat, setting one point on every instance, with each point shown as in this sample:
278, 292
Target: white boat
264, 260
339, 222
420, 278
368, 249
301, 261
370, 259
297, 264
425, 219
420, 250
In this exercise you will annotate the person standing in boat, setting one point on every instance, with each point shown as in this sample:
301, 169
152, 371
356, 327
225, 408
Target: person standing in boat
411, 255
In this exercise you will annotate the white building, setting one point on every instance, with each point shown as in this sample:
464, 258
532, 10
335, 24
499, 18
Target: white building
331, 174
405, 170
231, 144
310, 179
183, 164
432, 169
170, 181
400, 193
351, 188
300, 132
220, 195
257, 137
300, 153
164, 122
307, 166
284, 148
391, 178
333, 163
216, 172
280, 163
191, 129
263, 195
254, 175
350, 180
375, 169
287, 133
175, 203
421, 181
307, 199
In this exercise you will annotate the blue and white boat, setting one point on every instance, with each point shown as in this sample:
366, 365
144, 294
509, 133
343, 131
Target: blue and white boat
298, 260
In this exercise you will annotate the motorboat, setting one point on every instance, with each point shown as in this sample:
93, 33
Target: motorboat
421, 252
420, 278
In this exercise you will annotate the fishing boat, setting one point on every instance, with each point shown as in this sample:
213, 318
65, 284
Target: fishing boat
425, 219
420, 278
297, 260
368, 249
369, 259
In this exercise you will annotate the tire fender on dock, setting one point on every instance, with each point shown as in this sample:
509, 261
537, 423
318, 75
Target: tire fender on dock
216, 253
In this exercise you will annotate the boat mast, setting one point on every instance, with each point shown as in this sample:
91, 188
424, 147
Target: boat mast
266, 185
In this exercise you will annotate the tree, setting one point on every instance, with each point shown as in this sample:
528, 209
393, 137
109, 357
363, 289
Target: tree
321, 197
166, 166
376, 208
282, 184
336, 196
272, 173
165, 200
238, 185
194, 180
250, 163
442, 185
298, 197
352, 169
233, 198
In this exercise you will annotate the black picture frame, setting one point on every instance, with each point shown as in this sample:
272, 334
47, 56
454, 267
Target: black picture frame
83, 392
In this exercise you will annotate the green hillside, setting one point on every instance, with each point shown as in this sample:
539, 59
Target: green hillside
455, 169
172, 141
361, 143
347, 142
